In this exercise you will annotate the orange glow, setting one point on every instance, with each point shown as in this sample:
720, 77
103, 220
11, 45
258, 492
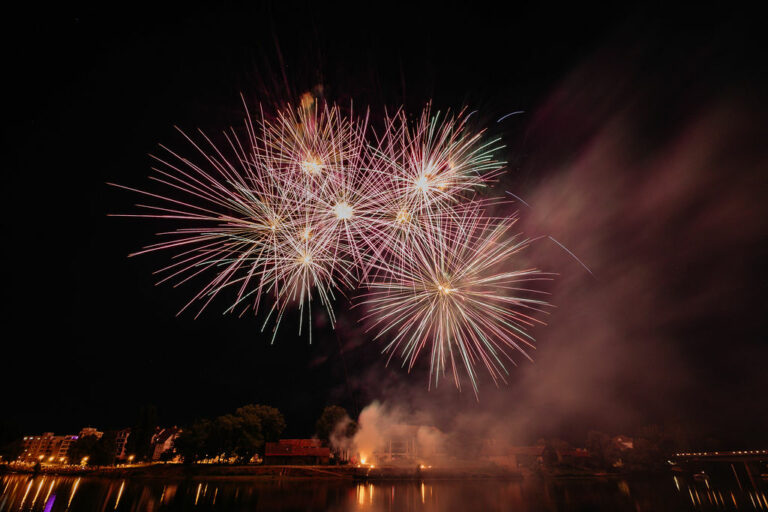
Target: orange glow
402, 217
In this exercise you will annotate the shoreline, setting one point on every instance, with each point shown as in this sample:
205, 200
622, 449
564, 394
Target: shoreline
300, 472
240, 472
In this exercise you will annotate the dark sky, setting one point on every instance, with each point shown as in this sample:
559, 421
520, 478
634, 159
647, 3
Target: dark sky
642, 147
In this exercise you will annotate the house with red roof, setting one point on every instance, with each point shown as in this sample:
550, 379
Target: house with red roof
297, 452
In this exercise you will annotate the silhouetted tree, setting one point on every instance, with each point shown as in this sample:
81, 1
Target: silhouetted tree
10, 451
222, 439
83, 447
11, 442
253, 425
271, 419
139, 443
193, 442
240, 435
103, 453
330, 418
599, 447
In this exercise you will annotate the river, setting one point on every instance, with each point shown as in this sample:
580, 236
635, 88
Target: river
51, 493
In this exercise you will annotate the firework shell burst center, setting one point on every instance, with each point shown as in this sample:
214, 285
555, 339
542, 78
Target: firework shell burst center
312, 204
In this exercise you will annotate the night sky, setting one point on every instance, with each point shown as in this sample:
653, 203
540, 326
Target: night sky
642, 148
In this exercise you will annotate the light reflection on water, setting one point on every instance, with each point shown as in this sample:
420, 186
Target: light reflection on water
49, 493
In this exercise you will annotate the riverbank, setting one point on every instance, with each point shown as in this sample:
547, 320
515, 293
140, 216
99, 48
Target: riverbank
214, 471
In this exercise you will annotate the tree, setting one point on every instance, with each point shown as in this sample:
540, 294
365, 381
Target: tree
139, 443
330, 418
271, 419
11, 443
651, 444
599, 447
103, 453
223, 436
240, 435
83, 447
192, 443
256, 425
10, 451
336, 429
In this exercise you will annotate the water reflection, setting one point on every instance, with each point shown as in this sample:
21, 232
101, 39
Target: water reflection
49, 493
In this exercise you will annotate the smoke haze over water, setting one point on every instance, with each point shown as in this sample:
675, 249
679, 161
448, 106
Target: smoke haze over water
659, 188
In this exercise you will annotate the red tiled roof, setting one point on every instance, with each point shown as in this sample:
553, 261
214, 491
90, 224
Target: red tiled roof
302, 442
296, 447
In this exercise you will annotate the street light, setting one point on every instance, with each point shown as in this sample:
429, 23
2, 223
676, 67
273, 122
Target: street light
130, 459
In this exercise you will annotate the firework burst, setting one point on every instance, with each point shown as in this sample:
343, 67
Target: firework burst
430, 170
306, 205
265, 221
455, 296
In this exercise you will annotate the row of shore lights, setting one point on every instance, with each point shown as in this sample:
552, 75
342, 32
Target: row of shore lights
741, 452
83, 461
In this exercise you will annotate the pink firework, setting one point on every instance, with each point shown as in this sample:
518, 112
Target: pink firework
307, 205
259, 223
457, 296
430, 170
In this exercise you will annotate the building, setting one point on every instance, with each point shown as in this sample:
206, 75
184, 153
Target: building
121, 439
297, 451
47, 448
52, 449
64, 446
90, 431
407, 444
162, 441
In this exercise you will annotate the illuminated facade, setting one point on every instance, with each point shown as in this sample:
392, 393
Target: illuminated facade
121, 439
52, 449
47, 448
162, 441
90, 431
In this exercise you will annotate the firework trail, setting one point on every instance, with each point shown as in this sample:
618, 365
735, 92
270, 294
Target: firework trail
307, 205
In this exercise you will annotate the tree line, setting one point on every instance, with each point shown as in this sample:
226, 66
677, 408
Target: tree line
238, 437
241, 437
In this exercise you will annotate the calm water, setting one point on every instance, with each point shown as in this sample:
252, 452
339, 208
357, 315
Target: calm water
52, 493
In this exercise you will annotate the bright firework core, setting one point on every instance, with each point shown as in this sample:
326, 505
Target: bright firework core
343, 210
422, 183
445, 288
312, 165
